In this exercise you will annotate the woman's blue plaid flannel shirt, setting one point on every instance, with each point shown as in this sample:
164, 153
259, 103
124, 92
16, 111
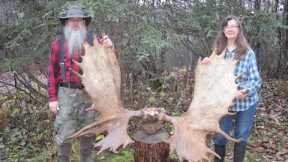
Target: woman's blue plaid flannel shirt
250, 79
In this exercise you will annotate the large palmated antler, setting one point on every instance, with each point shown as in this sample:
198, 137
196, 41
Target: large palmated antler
214, 92
101, 78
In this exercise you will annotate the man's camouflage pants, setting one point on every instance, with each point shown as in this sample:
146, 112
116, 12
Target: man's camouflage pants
72, 114
71, 117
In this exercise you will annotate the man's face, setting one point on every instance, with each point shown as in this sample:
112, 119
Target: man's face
75, 23
75, 33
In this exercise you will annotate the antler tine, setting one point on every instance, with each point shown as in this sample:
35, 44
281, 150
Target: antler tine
212, 152
227, 136
101, 121
76, 73
101, 148
77, 63
90, 131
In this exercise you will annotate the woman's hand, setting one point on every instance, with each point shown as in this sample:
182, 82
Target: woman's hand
241, 94
206, 60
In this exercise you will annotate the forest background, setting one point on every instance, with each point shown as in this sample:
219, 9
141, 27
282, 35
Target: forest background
158, 43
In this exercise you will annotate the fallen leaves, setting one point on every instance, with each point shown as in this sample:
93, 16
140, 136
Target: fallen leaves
270, 134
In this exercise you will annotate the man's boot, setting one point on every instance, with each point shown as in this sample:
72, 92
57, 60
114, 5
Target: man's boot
86, 147
220, 150
64, 152
239, 152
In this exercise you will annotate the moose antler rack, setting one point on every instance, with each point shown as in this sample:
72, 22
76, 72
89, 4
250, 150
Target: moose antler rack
214, 92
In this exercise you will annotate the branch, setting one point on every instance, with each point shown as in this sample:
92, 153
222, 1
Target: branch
33, 78
27, 85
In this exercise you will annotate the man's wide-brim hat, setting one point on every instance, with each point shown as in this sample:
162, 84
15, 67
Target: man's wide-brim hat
75, 11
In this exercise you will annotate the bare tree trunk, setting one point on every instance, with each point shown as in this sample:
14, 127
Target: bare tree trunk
285, 46
240, 3
276, 6
257, 7
257, 4
7, 12
283, 43
278, 70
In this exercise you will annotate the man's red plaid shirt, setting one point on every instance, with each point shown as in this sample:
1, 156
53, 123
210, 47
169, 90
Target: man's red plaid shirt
54, 72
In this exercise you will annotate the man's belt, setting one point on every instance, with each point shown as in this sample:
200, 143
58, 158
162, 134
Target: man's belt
72, 85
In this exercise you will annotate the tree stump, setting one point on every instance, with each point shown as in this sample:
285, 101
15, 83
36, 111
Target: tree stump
158, 152
149, 146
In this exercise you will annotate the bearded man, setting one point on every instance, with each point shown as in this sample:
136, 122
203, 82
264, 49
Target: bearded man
66, 94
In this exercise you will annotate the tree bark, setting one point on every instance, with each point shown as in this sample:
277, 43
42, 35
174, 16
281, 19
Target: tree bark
285, 46
276, 6
158, 152
283, 43
257, 4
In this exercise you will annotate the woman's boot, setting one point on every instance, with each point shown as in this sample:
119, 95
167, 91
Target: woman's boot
220, 150
239, 152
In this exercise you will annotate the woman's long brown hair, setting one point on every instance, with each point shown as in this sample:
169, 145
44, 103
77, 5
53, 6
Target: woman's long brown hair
220, 42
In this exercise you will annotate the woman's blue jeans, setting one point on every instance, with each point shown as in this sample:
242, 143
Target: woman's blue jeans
243, 123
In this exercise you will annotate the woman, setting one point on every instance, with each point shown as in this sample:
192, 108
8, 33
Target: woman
232, 41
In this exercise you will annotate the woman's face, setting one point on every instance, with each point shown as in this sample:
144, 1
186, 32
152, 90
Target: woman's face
231, 30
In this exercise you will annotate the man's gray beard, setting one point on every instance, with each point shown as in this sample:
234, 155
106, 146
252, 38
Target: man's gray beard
75, 38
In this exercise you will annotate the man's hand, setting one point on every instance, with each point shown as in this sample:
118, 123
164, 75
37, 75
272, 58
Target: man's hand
241, 94
106, 41
53, 106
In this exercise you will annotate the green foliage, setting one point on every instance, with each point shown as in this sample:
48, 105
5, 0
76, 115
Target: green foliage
261, 28
143, 33
141, 39
24, 136
124, 155
27, 41
107, 10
